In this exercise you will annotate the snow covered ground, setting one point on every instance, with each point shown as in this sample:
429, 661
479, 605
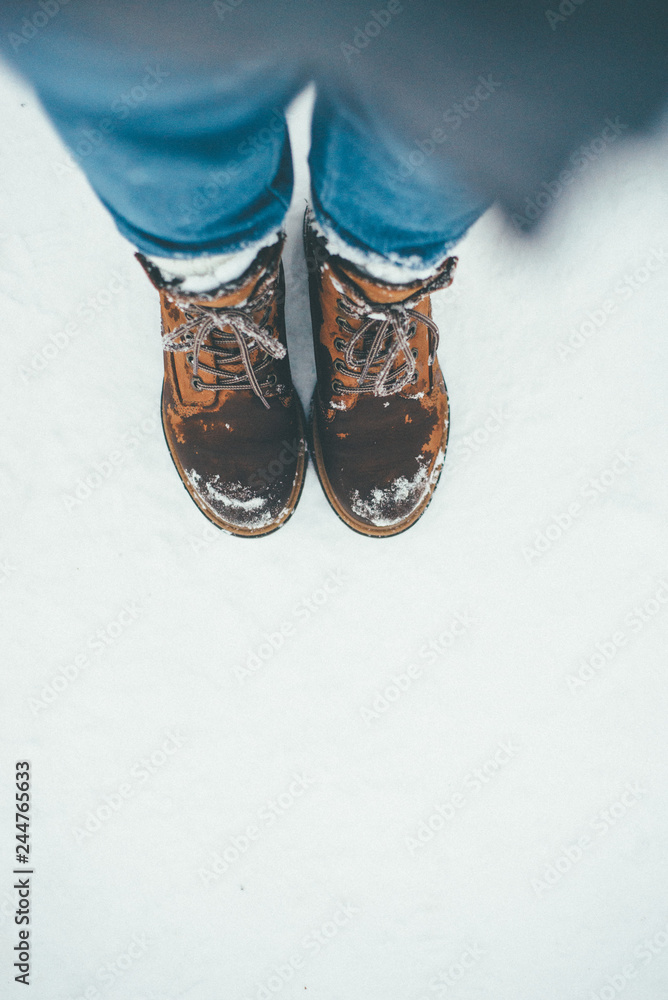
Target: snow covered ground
433, 766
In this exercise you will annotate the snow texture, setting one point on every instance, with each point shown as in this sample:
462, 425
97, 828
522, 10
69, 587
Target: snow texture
315, 764
219, 498
374, 508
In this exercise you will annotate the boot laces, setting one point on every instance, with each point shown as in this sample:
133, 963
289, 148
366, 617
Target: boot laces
229, 333
385, 331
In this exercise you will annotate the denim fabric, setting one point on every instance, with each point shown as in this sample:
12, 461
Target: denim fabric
195, 160
378, 195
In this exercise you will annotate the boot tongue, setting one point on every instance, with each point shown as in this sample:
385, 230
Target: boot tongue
236, 293
231, 297
233, 293
372, 288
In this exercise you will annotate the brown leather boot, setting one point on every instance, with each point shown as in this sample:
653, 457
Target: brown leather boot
379, 414
232, 419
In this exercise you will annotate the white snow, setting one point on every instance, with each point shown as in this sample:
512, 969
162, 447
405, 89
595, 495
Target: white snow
374, 507
211, 488
334, 280
238, 745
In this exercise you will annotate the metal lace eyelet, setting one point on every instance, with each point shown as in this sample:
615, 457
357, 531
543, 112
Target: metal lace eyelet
414, 377
412, 328
196, 383
271, 379
337, 387
339, 344
190, 358
414, 352
338, 364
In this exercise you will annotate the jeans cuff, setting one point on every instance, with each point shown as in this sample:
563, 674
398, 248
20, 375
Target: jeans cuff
392, 268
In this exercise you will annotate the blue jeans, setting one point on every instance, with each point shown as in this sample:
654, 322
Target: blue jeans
192, 160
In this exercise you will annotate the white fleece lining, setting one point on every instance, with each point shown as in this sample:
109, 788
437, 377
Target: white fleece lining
206, 273
393, 269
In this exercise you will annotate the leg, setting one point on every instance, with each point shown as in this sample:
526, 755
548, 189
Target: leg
379, 200
377, 247
188, 162
195, 167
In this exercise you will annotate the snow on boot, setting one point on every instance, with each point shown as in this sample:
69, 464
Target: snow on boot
232, 419
379, 414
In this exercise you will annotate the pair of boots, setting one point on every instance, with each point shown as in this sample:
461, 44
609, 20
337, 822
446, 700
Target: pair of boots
235, 425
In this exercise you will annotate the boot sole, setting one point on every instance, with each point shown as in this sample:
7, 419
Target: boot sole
370, 530
233, 529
